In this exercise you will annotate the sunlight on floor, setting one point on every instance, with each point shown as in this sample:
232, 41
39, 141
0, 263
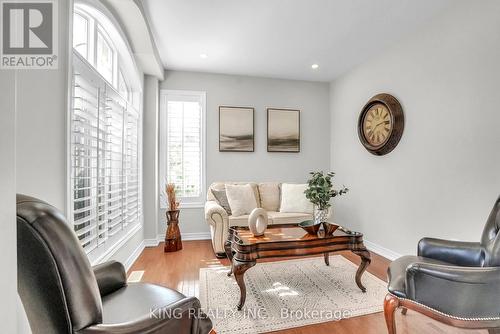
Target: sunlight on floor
281, 290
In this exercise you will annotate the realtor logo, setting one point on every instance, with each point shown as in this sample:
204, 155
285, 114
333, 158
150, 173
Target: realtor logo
29, 34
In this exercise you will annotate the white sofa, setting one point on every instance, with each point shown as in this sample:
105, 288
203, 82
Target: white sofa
267, 195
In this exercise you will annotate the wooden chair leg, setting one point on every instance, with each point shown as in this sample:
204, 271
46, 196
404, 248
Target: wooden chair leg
391, 303
404, 310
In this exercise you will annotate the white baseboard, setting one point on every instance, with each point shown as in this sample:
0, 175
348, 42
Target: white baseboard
196, 236
135, 254
151, 242
387, 253
185, 236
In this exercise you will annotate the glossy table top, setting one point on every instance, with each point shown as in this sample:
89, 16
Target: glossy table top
285, 233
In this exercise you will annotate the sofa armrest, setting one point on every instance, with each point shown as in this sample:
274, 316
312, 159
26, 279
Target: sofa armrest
459, 253
110, 277
218, 220
213, 209
469, 292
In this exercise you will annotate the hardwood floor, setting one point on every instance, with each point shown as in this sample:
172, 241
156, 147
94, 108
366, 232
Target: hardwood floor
180, 271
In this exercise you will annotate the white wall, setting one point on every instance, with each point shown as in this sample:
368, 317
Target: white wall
311, 98
8, 257
442, 179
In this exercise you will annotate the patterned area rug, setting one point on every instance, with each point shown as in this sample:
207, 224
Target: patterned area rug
288, 294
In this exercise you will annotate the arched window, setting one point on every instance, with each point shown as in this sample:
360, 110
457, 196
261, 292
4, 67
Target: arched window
105, 132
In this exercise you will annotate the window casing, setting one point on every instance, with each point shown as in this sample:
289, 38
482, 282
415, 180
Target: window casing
182, 146
105, 146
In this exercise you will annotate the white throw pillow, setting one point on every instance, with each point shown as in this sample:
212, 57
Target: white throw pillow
241, 199
293, 198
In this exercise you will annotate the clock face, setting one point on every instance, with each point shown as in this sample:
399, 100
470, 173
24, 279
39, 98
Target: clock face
377, 125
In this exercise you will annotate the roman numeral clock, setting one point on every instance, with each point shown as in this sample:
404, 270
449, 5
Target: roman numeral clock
381, 124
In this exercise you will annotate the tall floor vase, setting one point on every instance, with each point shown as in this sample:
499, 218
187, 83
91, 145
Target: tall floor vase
173, 241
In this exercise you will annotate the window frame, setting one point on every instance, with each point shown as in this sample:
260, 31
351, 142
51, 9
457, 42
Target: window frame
94, 27
185, 202
99, 30
89, 23
124, 61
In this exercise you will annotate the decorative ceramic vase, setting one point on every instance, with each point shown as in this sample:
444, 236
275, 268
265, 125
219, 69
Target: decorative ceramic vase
173, 241
257, 221
329, 227
321, 215
310, 226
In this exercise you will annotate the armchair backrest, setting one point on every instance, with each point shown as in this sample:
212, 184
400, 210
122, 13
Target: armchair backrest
55, 280
490, 240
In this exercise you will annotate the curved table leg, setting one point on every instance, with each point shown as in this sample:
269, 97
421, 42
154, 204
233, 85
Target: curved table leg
365, 261
239, 269
327, 258
229, 254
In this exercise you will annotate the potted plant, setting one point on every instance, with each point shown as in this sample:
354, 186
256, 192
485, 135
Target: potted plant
320, 190
173, 240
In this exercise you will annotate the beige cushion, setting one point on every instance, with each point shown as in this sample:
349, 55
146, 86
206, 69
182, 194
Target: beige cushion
241, 199
222, 186
269, 196
288, 217
238, 220
293, 198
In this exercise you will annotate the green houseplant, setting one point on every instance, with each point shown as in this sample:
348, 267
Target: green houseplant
320, 190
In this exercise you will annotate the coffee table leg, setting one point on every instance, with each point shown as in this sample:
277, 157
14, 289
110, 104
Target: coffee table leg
229, 254
239, 269
365, 261
327, 258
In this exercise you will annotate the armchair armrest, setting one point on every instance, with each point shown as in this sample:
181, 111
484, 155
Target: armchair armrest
179, 317
454, 252
468, 292
110, 277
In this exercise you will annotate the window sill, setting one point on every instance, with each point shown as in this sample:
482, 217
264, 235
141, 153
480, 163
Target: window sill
197, 205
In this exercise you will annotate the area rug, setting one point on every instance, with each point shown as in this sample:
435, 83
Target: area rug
288, 294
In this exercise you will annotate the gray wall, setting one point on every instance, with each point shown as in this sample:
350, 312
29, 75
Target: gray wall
442, 179
311, 98
150, 156
8, 279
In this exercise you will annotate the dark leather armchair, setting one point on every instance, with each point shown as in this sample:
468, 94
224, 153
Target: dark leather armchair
62, 293
457, 283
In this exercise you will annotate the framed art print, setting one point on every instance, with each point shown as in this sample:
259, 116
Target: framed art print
283, 130
236, 129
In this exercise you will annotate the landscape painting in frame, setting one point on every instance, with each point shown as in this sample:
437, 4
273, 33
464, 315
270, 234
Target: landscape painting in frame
283, 130
236, 129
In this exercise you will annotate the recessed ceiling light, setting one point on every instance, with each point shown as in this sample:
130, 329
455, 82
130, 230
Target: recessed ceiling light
203, 56
314, 66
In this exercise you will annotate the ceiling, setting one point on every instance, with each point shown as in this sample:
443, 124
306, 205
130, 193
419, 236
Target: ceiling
281, 38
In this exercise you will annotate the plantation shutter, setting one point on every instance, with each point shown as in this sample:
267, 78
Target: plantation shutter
105, 159
184, 144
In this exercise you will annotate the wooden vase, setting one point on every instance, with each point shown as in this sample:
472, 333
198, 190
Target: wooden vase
173, 241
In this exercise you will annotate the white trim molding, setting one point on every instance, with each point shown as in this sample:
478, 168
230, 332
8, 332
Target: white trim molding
134, 256
116, 246
382, 251
185, 237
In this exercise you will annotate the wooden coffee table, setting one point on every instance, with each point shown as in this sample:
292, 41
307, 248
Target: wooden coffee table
243, 249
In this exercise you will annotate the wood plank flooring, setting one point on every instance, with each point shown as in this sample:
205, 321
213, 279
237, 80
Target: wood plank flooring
180, 271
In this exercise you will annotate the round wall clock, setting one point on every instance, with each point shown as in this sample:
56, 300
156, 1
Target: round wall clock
381, 124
